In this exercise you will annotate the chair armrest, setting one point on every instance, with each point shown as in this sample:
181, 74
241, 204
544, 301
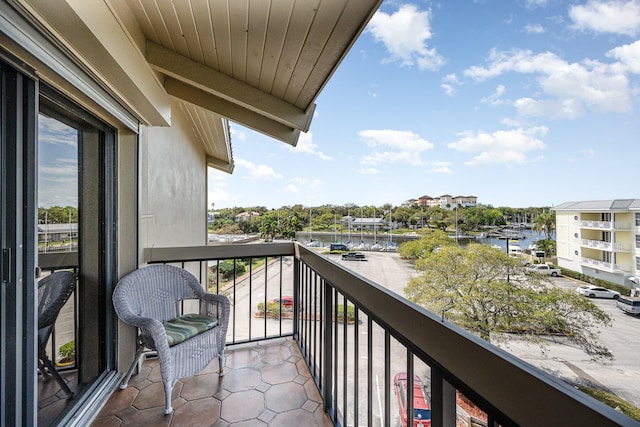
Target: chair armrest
223, 306
218, 306
152, 331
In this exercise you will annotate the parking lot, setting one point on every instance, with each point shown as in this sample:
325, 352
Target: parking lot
621, 375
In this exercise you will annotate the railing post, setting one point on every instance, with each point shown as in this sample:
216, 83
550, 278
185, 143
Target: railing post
327, 379
443, 400
296, 298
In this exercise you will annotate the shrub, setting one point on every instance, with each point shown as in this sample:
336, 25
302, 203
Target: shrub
226, 268
68, 351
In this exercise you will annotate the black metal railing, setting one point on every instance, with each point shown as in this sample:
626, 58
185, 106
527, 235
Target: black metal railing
359, 340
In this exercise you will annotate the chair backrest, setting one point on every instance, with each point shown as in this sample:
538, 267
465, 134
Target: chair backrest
154, 292
53, 292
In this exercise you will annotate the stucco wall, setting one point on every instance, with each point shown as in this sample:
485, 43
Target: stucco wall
173, 186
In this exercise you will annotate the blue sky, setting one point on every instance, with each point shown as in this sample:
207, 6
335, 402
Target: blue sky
519, 103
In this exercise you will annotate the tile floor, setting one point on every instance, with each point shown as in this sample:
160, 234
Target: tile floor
265, 384
51, 399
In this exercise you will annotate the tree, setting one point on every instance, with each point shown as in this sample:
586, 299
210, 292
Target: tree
545, 223
485, 291
419, 248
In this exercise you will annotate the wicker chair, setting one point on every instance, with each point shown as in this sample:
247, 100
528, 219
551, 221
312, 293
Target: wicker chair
53, 292
151, 299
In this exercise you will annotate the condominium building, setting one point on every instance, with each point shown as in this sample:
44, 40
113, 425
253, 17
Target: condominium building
600, 238
446, 201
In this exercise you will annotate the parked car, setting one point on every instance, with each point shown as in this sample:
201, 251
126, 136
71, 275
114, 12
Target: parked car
597, 292
629, 305
285, 300
353, 256
338, 247
544, 269
421, 410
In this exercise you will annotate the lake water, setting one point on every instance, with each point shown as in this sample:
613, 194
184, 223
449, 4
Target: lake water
324, 239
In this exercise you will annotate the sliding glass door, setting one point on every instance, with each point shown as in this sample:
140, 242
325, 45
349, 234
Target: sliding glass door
58, 214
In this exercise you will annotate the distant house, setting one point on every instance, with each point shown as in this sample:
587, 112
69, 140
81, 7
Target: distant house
246, 215
446, 201
57, 232
600, 238
368, 223
465, 201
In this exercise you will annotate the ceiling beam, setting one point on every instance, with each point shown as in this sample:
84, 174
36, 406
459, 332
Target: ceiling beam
232, 111
220, 164
222, 86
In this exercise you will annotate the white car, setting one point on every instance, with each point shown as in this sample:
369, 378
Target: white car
597, 292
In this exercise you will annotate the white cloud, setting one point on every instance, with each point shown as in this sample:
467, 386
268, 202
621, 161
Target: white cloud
495, 98
258, 172
628, 55
291, 188
440, 167
617, 16
368, 171
236, 133
536, 3
306, 145
405, 33
297, 184
571, 88
218, 188
449, 83
534, 29
501, 147
405, 146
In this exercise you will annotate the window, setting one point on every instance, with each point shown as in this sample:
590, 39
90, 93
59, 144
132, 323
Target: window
606, 257
637, 219
638, 241
605, 216
638, 263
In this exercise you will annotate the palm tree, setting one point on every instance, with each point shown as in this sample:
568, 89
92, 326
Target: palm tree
268, 230
545, 223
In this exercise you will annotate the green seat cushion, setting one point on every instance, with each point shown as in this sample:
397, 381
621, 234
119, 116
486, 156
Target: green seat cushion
186, 326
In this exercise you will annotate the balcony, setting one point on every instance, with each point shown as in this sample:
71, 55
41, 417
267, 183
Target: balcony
605, 246
604, 225
605, 266
331, 357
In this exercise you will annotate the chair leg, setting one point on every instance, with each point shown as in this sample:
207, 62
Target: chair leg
168, 390
221, 364
125, 381
52, 371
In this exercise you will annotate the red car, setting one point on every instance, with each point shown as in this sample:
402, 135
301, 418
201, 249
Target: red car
285, 300
421, 411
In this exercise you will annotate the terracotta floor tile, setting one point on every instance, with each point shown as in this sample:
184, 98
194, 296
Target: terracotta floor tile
200, 386
242, 406
153, 396
285, 397
110, 421
120, 400
295, 418
197, 413
280, 373
241, 379
243, 357
275, 354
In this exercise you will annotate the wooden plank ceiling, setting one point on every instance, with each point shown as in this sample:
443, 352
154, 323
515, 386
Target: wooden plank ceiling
260, 63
